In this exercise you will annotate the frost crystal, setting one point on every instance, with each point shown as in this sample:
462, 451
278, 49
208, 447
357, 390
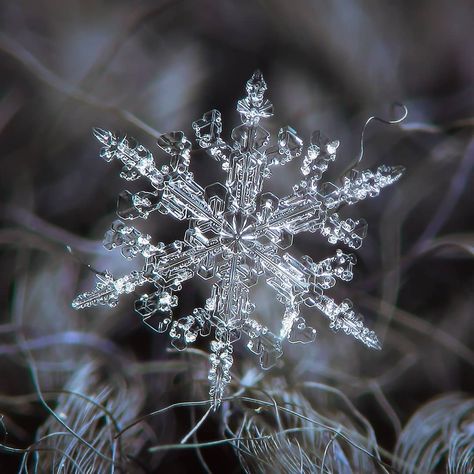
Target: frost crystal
236, 235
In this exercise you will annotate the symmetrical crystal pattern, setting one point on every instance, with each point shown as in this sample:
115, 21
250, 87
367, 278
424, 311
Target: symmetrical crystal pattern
237, 234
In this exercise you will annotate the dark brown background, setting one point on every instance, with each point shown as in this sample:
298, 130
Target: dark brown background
147, 67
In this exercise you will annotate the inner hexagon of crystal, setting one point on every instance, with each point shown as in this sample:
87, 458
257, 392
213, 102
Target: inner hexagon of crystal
238, 232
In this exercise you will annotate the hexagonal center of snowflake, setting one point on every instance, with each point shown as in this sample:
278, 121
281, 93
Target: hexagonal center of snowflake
238, 232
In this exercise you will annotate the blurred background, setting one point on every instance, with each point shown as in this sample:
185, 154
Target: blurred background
148, 67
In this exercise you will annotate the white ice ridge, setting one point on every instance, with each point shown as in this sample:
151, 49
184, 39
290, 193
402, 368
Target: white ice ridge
237, 234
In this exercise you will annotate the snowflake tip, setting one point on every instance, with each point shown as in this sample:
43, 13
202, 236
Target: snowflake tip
373, 342
397, 172
102, 135
257, 77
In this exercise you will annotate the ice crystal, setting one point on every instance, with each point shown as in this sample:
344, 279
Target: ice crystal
236, 235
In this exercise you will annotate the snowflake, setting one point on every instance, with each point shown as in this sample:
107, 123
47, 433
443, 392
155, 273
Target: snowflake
236, 235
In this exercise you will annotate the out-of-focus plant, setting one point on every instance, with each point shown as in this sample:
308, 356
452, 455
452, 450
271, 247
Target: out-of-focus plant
95, 403
310, 429
439, 437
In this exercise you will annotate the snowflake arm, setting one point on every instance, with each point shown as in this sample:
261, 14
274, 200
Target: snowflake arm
108, 290
176, 192
237, 234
